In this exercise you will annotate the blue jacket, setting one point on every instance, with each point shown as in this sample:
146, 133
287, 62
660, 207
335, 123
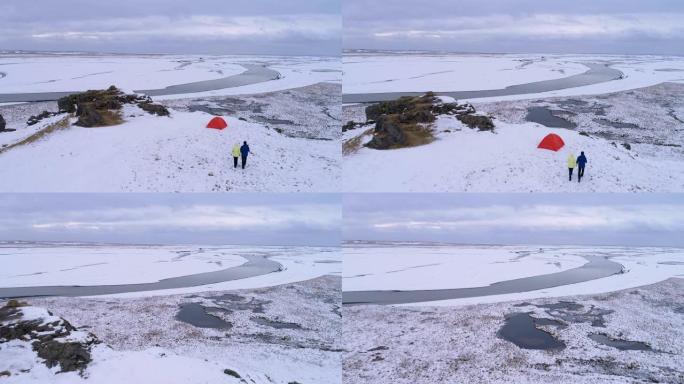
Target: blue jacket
581, 160
244, 150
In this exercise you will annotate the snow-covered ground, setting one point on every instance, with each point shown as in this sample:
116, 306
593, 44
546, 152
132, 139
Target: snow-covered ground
508, 160
30, 73
382, 72
166, 154
45, 264
144, 341
423, 344
405, 267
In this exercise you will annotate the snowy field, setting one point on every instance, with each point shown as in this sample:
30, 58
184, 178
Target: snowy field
254, 327
44, 264
164, 154
647, 157
378, 72
406, 267
425, 344
142, 340
31, 73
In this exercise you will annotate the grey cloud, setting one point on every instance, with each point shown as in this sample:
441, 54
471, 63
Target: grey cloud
618, 27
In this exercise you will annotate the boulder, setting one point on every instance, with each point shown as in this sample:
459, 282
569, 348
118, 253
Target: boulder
88, 116
33, 120
387, 134
481, 122
3, 124
154, 109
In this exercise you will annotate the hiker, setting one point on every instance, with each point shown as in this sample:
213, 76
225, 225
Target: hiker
581, 162
236, 154
571, 165
244, 151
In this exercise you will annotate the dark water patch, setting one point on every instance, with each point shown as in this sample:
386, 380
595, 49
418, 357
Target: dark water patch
216, 111
615, 124
671, 262
597, 267
269, 120
326, 70
545, 117
232, 302
195, 314
256, 265
581, 106
597, 73
669, 70
254, 74
623, 345
574, 313
521, 329
328, 261
274, 323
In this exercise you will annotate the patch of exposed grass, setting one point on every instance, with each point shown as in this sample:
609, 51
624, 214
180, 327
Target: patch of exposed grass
59, 125
354, 144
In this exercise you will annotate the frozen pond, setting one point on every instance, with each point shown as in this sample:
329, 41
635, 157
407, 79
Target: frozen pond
597, 73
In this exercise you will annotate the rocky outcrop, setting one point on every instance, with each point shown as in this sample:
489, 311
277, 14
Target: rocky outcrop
406, 122
53, 339
96, 108
35, 119
481, 122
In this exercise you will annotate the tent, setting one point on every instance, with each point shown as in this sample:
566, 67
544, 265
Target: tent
551, 142
217, 123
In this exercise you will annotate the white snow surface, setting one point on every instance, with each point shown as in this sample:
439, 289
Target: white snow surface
166, 154
378, 73
506, 160
473, 266
107, 265
34, 73
90, 264
443, 73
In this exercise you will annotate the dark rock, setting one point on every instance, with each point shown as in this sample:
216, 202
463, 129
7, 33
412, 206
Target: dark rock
627, 146
481, 122
89, 116
154, 109
33, 120
583, 133
348, 126
5, 373
3, 124
230, 372
69, 356
387, 134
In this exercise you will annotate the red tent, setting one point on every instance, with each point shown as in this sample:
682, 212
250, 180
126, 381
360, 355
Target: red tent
217, 123
551, 142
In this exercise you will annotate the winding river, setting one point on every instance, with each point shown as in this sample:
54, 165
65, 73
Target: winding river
254, 74
597, 267
597, 73
256, 265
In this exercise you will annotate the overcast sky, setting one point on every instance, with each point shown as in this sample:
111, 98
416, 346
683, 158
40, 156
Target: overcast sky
543, 219
302, 27
256, 219
535, 26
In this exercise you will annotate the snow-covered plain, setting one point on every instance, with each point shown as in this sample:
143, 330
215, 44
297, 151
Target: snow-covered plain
424, 344
166, 154
442, 73
382, 72
32, 73
404, 267
45, 264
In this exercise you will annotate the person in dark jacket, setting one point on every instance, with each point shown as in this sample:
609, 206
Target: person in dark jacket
244, 151
581, 162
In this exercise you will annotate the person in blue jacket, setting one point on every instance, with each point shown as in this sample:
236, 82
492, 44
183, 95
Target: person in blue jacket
581, 162
244, 151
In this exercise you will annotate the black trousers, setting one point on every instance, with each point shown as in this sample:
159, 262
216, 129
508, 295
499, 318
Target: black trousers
244, 161
570, 173
580, 173
235, 162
